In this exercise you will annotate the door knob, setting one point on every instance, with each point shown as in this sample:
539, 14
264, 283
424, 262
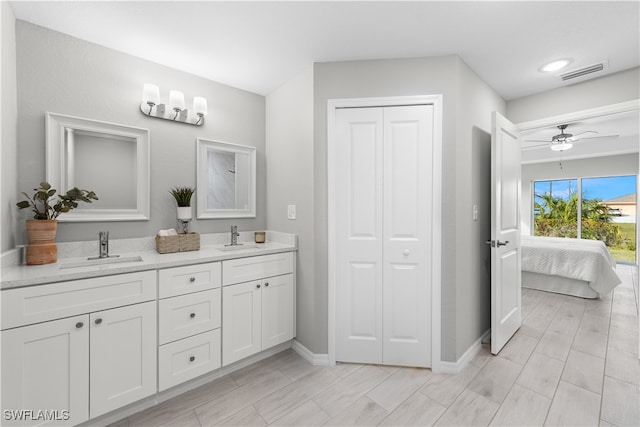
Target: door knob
406, 252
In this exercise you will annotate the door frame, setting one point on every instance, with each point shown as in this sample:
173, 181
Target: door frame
621, 107
605, 110
436, 226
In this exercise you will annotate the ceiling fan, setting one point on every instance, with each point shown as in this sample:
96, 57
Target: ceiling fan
564, 141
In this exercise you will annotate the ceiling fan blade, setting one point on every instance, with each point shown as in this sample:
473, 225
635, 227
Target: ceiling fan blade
575, 137
533, 147
594, 137
536, 140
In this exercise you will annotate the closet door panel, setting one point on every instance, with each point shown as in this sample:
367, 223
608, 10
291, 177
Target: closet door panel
408, 136
359, 235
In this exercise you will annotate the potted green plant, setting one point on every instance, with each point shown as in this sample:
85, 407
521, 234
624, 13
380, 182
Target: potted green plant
47, 206
183, 199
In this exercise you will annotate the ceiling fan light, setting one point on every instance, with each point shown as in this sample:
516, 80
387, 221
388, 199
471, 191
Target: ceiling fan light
555, 65
561, 146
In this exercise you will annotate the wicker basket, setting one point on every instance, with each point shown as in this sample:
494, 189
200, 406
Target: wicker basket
180, 243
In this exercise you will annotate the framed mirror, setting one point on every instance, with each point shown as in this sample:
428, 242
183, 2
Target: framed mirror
226, 180
110, 159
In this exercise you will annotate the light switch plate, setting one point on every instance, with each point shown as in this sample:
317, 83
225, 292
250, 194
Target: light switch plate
291, 211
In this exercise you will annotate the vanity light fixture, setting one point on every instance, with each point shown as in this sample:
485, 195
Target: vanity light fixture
175, 111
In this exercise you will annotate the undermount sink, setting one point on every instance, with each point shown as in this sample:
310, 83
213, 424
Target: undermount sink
238, 247
101, 261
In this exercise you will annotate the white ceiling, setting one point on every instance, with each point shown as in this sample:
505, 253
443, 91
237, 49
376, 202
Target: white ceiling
258, 46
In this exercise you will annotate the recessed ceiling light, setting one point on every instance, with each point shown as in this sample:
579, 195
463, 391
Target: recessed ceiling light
555, 65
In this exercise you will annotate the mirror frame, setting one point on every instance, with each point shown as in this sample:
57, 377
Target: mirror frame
203, 147
56, 166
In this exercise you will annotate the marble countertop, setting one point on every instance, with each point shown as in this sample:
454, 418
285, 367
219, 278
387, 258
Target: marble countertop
212, 248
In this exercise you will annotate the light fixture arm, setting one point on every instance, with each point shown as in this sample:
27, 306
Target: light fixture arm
160, 111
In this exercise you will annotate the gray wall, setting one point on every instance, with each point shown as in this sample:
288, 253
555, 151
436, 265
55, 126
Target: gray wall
290, 166
8, 128
476, 102
66, 75
468, 103
625, 164
611, 89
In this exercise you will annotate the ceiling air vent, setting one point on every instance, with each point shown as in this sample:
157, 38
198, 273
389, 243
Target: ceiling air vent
583, 71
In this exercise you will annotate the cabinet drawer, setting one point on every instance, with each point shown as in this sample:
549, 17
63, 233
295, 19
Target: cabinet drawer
258, 267
191, 278
188, 358
33, 304
186, 315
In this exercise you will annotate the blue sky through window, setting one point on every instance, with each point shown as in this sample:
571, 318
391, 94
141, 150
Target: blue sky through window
608, 188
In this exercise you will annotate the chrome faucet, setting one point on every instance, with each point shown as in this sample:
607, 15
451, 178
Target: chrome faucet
103, 248
234, 236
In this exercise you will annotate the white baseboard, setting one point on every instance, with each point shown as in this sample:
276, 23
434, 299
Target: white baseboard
306, 354
459, 365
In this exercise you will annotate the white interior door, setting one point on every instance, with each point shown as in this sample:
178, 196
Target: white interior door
506, 315
359, 153
383, 235
408, 142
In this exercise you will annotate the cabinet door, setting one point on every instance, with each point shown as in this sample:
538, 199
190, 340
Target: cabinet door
241, 317
123, 356
277, 310
46, 367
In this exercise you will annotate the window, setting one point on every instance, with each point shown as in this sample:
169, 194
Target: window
606, 206
556, 208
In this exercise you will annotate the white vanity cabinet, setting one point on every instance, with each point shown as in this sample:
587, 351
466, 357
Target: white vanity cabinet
122, 356
257, 304
79, 348
189, 322
46, 366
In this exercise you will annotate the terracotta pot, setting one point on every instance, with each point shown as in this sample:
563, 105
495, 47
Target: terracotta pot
42, 248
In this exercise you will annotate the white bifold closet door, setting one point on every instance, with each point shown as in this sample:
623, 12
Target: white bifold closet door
383, 226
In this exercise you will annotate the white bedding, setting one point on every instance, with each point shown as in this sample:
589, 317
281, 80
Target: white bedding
579, 259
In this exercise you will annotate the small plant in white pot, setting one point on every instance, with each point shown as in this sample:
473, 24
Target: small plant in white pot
183, 199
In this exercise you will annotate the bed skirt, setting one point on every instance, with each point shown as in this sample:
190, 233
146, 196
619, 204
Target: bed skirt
558, 284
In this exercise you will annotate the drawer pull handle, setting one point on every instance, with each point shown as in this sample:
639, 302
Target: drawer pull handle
192, 315
98, 321
79, 325
258, 286
192, 279
192, 358
266, 284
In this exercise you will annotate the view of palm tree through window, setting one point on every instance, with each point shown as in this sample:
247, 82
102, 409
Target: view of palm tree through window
606, 206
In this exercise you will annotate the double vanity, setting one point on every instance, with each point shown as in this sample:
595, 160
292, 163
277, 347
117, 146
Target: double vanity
83, 339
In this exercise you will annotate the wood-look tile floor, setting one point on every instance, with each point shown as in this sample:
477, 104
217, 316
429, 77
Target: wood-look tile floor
573, 362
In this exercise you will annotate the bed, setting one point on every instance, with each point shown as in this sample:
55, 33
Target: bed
578, 267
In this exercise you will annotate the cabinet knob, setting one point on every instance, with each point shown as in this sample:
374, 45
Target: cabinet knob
192, 315
79, 325
266, 284
98, 321
258, 286
192, 279
192, 358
